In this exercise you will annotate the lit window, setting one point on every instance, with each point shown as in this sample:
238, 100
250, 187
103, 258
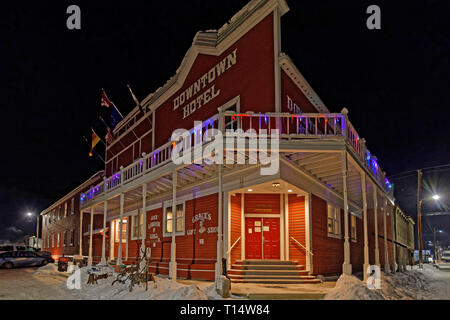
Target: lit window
353, 229
58, 240
65, 209
53, 240
124, 230
334, 221
179, 219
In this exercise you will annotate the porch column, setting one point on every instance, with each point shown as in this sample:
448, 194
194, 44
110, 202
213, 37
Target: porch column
393, 239
375, 211
386, 255
366, 236
347, 266
105, 209
127, 241
81, 234
119, 254
173, 259
219, 226
112, 234
90, 237
144, 225
242, 227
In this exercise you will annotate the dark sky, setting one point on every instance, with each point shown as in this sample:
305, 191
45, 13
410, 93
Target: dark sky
394, 81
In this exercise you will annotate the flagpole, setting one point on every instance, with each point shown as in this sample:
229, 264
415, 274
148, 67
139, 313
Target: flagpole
96, 153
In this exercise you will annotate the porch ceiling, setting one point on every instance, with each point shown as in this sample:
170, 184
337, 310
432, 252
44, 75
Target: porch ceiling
327, 167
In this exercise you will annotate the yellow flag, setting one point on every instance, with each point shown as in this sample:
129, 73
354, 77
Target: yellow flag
95, 140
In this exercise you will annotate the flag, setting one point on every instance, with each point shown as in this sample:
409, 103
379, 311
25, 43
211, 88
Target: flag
135, 99
109, 135
105, 102
116, 117
94, 141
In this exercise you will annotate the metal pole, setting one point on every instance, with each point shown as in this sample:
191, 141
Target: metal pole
419, 217
434, 244
37, 231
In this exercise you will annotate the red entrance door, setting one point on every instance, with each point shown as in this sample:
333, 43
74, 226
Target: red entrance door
262, 238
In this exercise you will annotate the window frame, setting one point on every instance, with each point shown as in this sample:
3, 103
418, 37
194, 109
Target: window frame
336, 213
169, 205
117, 230
140, 227
58, 241
72, 206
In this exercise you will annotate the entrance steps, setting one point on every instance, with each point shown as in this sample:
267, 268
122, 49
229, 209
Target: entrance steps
270, 272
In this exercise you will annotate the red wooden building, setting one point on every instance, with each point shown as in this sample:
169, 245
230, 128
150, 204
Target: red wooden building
328, 208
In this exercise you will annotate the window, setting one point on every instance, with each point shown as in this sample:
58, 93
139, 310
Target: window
179, 219
72, 206
334, 221
48, 241
353, 227
59, 213
72, 237
65, 238
137, 222
117, 230
53, 240
6, 248
65, 209
58, 240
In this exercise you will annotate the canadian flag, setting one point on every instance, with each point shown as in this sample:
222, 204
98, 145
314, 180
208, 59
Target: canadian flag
105, 102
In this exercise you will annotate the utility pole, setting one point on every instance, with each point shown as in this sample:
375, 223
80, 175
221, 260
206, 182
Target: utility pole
434, 245
419, 217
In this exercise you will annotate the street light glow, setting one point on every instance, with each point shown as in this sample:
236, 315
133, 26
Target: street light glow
29, 214
436, 197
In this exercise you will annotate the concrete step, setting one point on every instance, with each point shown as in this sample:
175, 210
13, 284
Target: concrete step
267, 272
240, 276
265, 262
267, 267
277, 281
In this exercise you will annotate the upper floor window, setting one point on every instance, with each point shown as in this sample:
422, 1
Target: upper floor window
65, 209
72, 237
72, 205
353, 227
53, 240
137, 223
58, 239
334, 221
170, 219
65, 238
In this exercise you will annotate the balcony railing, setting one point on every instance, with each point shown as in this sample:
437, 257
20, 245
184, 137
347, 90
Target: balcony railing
291, 126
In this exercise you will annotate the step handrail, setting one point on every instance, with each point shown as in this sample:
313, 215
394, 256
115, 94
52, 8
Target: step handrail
302, 246
231, 248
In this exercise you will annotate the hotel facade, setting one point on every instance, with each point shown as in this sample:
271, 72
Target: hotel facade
320, 206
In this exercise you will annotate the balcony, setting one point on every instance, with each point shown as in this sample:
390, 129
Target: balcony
296, 130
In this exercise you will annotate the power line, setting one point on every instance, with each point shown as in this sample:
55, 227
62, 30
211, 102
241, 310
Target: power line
426, 168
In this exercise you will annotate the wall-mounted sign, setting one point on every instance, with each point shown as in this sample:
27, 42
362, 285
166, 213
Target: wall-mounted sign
190, 99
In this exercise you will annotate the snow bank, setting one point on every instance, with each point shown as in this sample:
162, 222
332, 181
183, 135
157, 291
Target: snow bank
161, 289
49, 269
411, 285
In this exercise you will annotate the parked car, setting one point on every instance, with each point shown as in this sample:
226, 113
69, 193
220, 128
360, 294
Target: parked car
12, 259
445, 261
21, 247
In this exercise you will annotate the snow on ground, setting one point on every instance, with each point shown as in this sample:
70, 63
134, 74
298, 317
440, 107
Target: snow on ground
414, 284
161, 289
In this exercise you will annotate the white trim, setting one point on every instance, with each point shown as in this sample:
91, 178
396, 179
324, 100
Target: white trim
308, 231
286, 225
282, 229
242, 226
139, 237
338, 209
167, 204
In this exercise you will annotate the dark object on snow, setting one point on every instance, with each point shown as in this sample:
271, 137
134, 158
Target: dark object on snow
63, 263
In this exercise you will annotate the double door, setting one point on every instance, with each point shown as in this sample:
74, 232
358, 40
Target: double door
262, 238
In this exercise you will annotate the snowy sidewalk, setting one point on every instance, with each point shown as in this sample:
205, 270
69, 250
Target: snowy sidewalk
426, 284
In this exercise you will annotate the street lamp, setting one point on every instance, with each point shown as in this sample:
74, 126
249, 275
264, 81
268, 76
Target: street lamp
30, 214
436, 197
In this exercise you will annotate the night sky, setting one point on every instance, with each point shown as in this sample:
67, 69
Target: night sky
394, 82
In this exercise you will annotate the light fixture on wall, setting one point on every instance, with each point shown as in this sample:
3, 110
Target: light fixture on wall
249, 190
276, 184
290, 190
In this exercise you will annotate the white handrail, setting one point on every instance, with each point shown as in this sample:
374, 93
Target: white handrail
231, 248
302, 246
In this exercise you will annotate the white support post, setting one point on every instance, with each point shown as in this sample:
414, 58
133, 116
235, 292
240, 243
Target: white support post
173, 253
282, 229
144, 225
227, 223
119, 254
90, 237
105, 210
387, 268
375, 212
219, 227
366, 264
242, 227
393, 239
347, 266
127, 237
112, 232
81, 234
286, 225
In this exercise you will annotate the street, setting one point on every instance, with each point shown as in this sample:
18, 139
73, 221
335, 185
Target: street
32, 284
